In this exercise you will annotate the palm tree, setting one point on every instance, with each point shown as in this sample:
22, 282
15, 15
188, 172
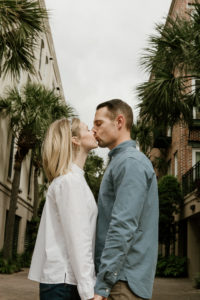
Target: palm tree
21, 23
30, 111
173, 59
142, 134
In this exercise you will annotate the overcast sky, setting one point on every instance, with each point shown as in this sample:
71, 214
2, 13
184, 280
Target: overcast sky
98, 46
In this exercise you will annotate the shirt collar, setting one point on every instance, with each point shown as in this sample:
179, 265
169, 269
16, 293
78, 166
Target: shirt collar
121, 147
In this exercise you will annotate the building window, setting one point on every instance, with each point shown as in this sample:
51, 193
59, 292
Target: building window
10, 167
195, 89
176, 164
28, 236
169, 167
169, 131
29, 177
41, 53
196, 112
16, 232
195, 156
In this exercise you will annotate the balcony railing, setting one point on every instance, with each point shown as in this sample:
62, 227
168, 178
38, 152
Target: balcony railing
191, 179
195, 124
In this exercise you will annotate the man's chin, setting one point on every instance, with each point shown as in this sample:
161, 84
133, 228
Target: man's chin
102, 145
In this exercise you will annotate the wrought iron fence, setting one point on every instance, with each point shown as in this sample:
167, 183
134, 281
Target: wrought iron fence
191, 179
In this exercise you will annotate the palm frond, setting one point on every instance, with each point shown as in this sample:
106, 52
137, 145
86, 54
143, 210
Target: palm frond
21, 23
31, 111
162, 100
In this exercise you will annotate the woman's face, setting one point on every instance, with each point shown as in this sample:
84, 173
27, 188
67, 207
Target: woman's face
87, 139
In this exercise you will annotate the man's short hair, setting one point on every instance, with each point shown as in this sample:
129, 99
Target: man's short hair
117, 106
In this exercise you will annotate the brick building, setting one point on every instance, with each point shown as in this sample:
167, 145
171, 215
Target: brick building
181, 149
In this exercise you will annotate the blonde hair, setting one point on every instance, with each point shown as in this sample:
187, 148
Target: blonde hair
57, 151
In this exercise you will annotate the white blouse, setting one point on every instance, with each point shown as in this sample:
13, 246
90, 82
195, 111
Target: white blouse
64, 249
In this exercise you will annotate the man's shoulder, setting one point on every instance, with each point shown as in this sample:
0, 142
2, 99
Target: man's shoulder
132, 157
133, 154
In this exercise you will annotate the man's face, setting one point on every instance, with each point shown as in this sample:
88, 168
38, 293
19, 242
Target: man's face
105, 128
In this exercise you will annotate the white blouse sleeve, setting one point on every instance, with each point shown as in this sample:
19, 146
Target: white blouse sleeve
74, 216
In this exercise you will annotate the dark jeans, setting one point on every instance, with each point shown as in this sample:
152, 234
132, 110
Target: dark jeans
60, 291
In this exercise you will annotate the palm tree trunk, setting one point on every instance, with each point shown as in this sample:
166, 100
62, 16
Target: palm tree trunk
36, 192
7, 249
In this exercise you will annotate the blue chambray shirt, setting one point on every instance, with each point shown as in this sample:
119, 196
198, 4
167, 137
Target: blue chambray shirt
127, 226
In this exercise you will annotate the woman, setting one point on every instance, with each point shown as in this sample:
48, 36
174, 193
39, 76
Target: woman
62, 261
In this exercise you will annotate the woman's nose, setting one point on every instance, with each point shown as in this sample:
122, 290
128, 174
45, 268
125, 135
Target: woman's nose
93, 129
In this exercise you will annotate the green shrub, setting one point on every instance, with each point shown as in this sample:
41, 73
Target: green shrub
197, 281
9, 266
171, 266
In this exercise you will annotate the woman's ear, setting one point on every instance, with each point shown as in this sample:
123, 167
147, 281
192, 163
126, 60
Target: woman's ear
75, 141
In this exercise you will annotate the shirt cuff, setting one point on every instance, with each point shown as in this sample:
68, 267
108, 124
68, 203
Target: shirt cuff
102, 289
86, 291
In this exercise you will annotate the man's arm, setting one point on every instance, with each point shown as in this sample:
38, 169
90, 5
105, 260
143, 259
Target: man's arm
130, 185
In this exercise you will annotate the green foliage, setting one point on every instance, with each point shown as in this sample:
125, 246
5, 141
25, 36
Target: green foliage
160, 164
31, 111
94, 169
142, 133
21, 23
170, 199
9, 266
19, 261
171, 266
173, 59
197, 281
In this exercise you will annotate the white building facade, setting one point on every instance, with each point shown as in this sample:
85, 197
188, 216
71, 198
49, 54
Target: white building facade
47, 73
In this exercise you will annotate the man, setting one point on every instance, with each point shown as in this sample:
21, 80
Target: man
127, 227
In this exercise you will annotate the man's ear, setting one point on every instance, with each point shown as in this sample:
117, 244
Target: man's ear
75, 141
120, 121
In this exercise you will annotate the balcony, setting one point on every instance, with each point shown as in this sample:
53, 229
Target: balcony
191, 179
195, 124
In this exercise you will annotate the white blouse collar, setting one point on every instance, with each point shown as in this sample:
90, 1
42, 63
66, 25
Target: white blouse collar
76, 168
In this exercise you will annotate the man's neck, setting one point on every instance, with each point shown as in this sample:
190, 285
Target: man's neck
119, 141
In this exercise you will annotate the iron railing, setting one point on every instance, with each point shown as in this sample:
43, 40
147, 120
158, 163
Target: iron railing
191, 179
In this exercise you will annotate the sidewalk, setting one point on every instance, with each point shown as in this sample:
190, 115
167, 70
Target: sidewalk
18, 287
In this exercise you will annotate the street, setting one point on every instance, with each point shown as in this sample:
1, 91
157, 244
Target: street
18, 287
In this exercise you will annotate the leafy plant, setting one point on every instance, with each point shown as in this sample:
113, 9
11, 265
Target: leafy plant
197, 281
171, 266
94, 169
170, 199
9, 266
173, 59
21, 24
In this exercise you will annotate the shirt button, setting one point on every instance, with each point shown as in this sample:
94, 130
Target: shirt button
107, 290
115, 274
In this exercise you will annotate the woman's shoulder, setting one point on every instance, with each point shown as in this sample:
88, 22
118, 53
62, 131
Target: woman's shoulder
70, 177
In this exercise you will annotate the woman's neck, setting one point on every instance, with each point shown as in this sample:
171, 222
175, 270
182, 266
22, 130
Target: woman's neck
80, 159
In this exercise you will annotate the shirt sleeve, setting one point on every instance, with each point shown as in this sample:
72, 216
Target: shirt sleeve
130, 185
74, 217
